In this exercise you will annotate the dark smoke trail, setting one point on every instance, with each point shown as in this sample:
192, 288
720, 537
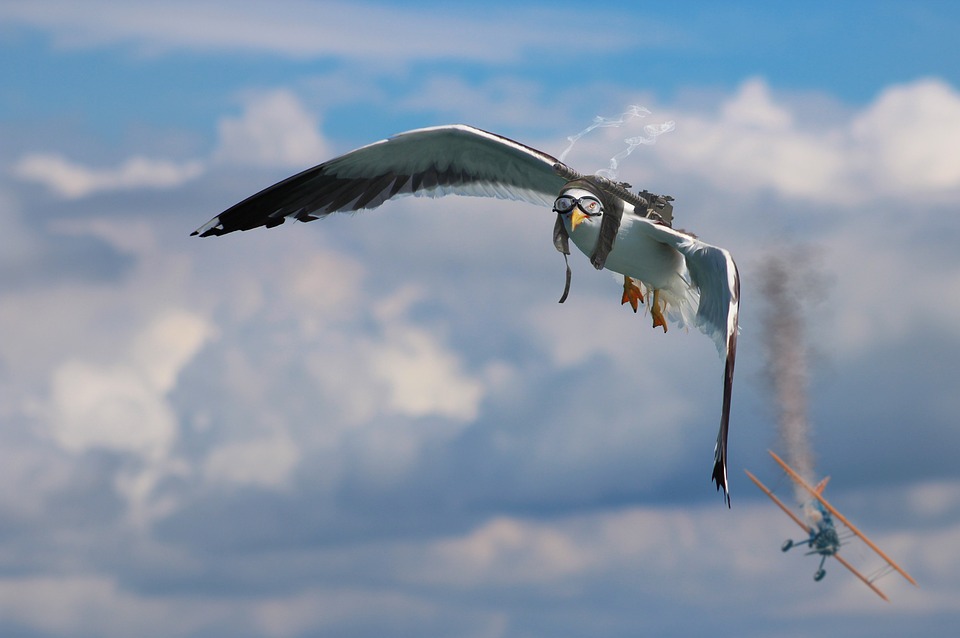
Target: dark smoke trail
785, 283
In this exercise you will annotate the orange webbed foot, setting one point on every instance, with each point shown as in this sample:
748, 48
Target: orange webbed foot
657, 312
631, 293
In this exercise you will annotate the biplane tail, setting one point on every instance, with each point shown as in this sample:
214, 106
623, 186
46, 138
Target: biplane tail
818, 490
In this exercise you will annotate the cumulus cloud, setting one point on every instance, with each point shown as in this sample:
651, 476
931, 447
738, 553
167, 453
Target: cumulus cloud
265, 462
72, 180
626, 563
422, 376
302, 29
469, 394
414, 366
866, 263
508, 551
679, 553
907, 138
751, 144
899, 145
100, 606
111, 408
81, 604
275, 129
124, 406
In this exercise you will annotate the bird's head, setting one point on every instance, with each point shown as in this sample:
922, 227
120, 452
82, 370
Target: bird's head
584, 201
578, 205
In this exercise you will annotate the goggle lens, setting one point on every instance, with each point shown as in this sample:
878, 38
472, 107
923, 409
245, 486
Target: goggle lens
564, 204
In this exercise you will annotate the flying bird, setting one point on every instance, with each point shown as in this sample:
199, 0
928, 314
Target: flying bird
672, 272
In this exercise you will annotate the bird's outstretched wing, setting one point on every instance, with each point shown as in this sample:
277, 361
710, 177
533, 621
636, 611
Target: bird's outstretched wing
714, 273
431, 162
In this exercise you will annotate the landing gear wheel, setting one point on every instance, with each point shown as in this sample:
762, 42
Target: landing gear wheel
787, 544
820, 574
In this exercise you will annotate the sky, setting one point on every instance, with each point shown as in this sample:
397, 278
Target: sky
384, 423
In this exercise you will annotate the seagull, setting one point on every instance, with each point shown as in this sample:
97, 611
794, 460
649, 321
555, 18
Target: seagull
677, 277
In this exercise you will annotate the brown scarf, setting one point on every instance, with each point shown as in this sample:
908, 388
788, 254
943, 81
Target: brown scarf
609, 225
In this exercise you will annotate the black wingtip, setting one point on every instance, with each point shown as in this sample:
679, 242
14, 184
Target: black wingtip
719, 477
720, 451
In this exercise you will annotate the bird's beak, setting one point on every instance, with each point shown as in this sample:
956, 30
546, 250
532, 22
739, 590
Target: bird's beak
575, 218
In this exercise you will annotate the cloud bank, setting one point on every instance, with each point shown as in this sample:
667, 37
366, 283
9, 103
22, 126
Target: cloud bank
385, 423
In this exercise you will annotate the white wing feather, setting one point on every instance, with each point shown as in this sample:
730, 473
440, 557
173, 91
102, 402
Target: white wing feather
429, 162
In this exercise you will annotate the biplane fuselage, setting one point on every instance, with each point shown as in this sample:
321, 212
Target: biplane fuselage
823, 537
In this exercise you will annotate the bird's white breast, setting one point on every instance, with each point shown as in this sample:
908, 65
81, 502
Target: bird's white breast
636, 254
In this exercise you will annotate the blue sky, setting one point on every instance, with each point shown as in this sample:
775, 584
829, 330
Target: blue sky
384, 423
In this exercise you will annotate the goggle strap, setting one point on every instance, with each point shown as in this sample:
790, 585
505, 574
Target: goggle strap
561, 241
566, 285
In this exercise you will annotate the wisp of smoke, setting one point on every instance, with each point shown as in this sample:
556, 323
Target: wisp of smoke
651, 132
783, 280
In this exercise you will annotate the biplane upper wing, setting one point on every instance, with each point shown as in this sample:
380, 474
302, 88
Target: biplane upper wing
843, 519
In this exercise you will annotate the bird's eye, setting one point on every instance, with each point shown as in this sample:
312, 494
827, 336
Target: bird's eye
590, 206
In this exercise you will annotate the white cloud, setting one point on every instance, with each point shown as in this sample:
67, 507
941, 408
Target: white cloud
902, 145
596, 561
362, 350
753, 108
72, 180
934, 499
752, 144
899, 145
275, 129
123, 406
422, 376
908, 137
345, 366
318, 609
84, 605
507, 551
97, 605
112, 408
682, 553
265, 462
19, 243
166, 345
872, 264
303, 29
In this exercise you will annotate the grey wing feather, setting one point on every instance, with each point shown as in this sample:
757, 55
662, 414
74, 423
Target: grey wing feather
714, 273
431, 162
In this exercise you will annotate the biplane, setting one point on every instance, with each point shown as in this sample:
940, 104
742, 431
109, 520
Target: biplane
823, 538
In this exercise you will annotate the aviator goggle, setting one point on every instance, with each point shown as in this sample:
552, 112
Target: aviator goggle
591, 206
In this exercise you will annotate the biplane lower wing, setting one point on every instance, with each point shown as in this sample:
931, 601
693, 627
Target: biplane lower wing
840, 517
866, 581
786, 510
